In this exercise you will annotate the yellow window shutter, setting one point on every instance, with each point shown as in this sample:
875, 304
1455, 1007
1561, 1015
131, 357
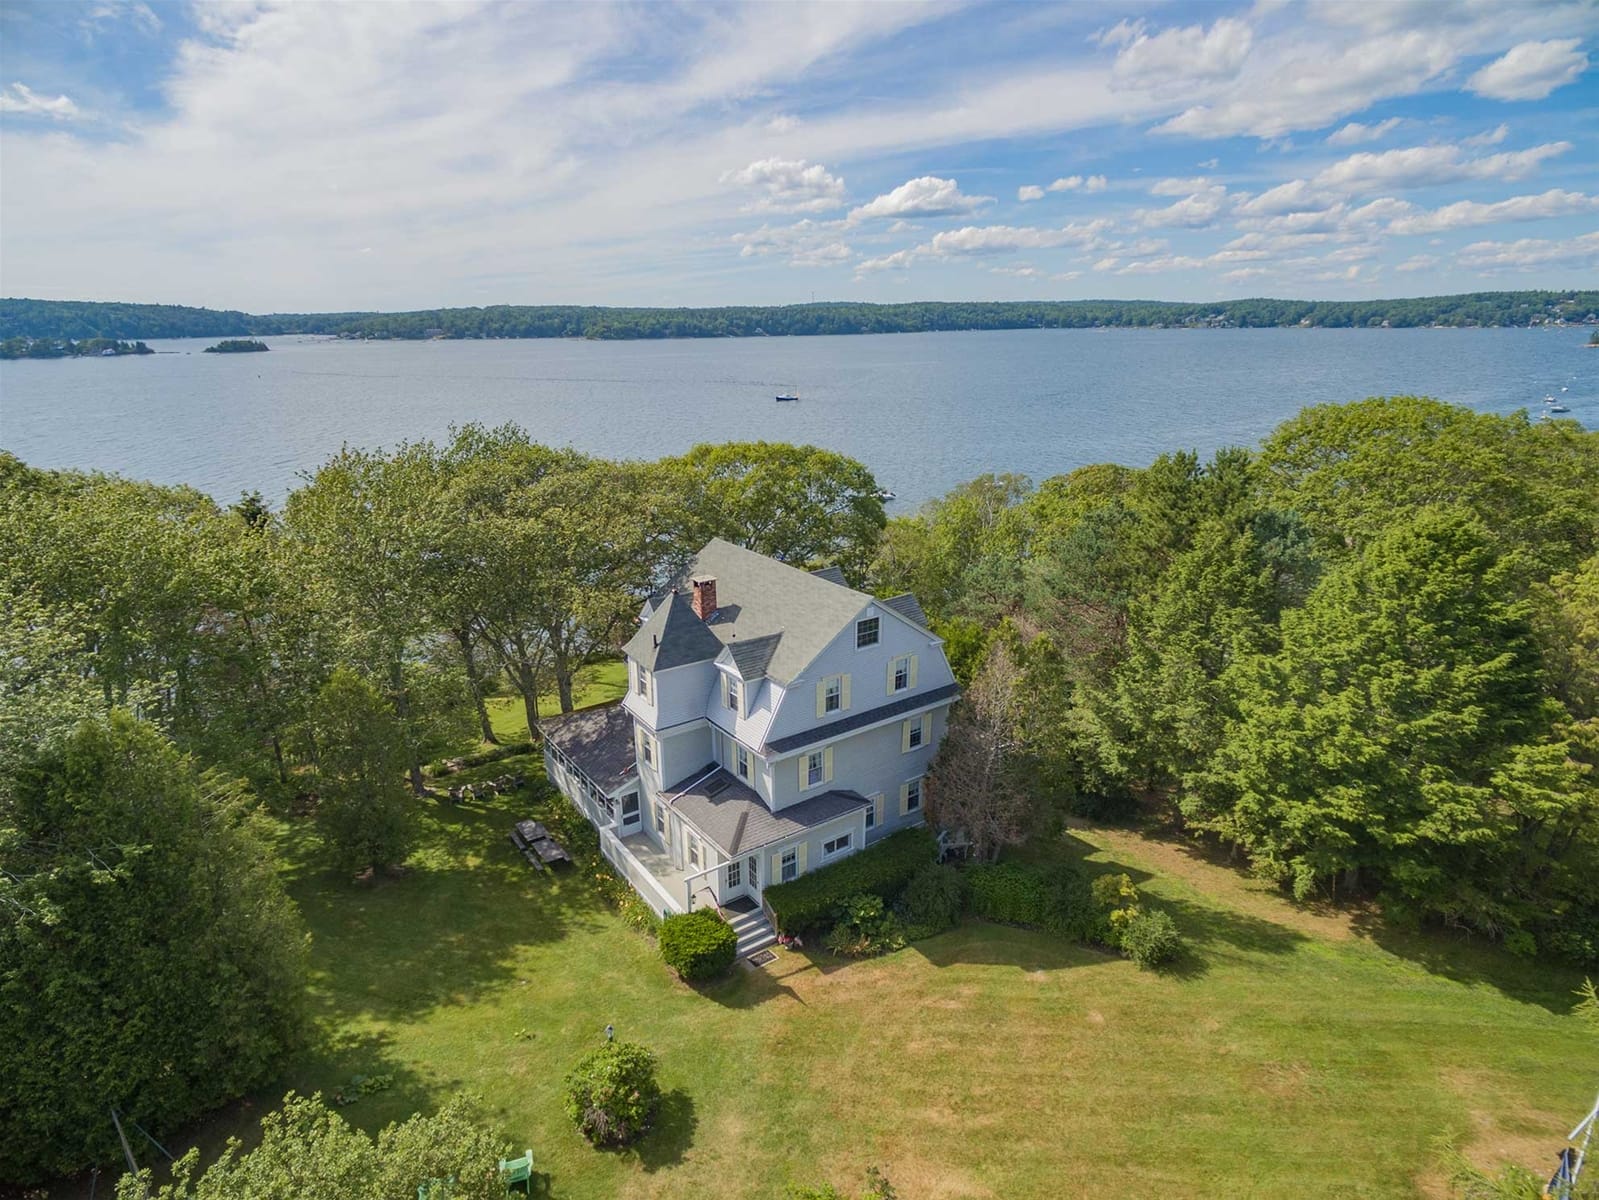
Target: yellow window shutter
845, 700
904, 797
927, 729
888, 684
777, 868
827, 765
913, 670
821, 698
904, 737
799, 857
803, 780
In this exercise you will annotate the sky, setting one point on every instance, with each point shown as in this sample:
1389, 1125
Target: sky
320, 156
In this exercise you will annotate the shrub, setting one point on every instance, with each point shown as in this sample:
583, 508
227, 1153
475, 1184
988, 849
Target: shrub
1008, 892
863, 927
1149, 937
1070, 908
697, 945
882, 870
933, 901
612, 1095
1117, 899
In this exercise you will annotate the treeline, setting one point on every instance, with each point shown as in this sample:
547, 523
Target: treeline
1366, 657
77, 319
51, 347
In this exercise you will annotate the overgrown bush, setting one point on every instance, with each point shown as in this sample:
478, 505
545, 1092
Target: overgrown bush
1149, 937
308, 1151
612, 1095
1008, 892
1117, 899
883, 870
863, 927
697, 945
1070, 909
933, 901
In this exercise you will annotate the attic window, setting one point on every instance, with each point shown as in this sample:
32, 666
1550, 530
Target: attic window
866, 633
717, 786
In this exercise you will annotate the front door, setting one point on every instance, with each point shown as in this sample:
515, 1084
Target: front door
631, 820
752, 866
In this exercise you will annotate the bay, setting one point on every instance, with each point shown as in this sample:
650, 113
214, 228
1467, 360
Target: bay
924, 411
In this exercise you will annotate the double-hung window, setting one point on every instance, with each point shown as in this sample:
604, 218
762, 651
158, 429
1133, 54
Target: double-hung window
902, 674
815, 767
835, 846
790, 865
914, 734
646, 745
731, 691
644, 681
913, 796
833, 695
866, 632
741, 760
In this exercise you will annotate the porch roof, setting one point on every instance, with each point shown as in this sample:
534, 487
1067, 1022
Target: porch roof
735, 819
598, 741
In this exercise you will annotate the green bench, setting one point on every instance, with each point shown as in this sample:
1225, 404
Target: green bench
518, 1170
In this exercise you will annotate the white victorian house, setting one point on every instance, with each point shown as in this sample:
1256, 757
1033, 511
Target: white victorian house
776, 720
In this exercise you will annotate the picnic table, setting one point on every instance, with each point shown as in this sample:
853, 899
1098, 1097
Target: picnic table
537, 846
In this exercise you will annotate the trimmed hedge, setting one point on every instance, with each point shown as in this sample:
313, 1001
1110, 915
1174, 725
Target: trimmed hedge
1008, 892
697, 945
881, 870
933, 901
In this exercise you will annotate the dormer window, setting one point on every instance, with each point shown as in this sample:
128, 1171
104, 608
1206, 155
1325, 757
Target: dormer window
866, 632
643, 684
732, 692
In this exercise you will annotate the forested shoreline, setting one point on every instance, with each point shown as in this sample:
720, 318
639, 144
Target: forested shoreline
62, 319
1363, 657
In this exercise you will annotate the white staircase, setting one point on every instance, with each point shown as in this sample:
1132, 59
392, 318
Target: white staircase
753, 929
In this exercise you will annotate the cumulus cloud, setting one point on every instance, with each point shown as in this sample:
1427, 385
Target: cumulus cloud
897, 261
1297, 195
1003, 239
1194, 211
1418, 262
788, 185
1527, 254
829, 255
1177, 187
1072, 183
1530, 71
1426, 166
1354, 133
925, 196
1029, 192
1467, 213
1178, 56
806, 243
20, 98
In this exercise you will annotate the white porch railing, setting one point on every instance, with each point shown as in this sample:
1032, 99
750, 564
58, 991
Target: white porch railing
637, 874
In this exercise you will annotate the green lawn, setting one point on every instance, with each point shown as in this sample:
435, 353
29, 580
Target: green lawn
597, 683
1293, 1054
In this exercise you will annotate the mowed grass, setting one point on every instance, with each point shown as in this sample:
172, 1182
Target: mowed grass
1290, 1054
597, 683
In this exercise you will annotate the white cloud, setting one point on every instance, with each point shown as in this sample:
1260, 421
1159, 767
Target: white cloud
1154, 266
20, 98
1243, 274
1426, 166
1018, 272
829, 255
1194, 211
1354, 133
1067, 183
782, 123
1210, 164
1529, 253
1003, 239
789, 185
1177, 187
1418, 262
806, 243
1491, 137
897, 261
1297, 195
1094, 183
1466, 213
1177, 57
1029, 192
925, 196
1530, 71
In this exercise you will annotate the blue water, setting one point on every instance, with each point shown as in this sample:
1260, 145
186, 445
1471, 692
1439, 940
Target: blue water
924, 411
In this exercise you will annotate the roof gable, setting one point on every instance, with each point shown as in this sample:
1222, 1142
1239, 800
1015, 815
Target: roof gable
672, 636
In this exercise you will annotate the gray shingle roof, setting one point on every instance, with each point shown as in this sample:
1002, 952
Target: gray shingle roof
752, 655
672, 637
759, 596
832, 575
908, 607
737, 820
870, 716
599, 740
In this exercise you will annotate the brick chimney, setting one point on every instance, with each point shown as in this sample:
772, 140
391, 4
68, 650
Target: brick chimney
705, 597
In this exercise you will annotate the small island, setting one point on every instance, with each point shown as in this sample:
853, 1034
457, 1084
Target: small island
26, 347
237, 346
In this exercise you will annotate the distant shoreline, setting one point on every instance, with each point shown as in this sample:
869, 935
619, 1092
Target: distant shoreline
62, 319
